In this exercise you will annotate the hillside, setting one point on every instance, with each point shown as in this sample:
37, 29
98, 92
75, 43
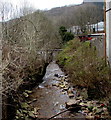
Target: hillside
99, 3
67, 15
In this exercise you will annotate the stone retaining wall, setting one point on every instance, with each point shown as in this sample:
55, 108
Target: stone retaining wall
98, 42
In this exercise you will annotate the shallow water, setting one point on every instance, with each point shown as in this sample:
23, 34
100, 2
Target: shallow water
50, 99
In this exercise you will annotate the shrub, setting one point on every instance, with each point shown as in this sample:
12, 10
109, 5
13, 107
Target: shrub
66, 36
85, 68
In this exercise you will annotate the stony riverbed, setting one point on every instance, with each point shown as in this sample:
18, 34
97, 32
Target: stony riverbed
50, 95
55, 94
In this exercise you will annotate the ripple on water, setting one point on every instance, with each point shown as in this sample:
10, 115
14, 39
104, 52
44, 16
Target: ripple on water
40, 86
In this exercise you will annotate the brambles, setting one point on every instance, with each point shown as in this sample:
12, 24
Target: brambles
23, 64
85, 68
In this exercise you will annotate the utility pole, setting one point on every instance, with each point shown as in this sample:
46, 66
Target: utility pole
105, 31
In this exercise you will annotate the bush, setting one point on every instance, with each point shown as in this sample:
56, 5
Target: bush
85, 68
66, 36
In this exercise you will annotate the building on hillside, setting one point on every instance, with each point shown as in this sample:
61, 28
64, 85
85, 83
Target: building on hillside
98, 27
108, 29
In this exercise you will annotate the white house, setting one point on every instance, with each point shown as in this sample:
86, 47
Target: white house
99, 27
108, 29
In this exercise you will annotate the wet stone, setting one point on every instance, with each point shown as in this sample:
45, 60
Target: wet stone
55, 104
72, 103
56, 75
83, 104
62, 107
41, 86
99, 111
89, 117
24, 105
66, 88
69, 91
83, 108
31, 114
66, 80
36, 110
71, 95
75, 100
28, 91
55, 84
25, 94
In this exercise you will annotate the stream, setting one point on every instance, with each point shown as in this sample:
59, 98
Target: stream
50, 99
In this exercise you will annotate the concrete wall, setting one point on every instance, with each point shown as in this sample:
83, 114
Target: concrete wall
108, 30
98, 42
1, 70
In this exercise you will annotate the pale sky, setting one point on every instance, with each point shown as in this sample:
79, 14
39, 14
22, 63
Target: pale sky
12, 7
44, 4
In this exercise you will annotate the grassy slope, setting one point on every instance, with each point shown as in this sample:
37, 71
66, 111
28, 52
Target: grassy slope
85, 69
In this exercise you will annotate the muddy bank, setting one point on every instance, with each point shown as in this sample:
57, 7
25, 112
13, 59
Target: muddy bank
45, 100
55, 95
11, 102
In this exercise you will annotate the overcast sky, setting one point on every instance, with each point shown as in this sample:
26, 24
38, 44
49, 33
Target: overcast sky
44, 4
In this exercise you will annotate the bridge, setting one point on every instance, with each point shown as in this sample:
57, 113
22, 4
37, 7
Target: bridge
50, 50
48, 54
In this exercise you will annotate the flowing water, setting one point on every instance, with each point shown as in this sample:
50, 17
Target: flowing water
50, 99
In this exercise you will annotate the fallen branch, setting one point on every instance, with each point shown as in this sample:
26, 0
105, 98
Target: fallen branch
61, 112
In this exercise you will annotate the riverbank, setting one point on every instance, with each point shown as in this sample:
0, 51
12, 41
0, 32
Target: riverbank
56, 94
16, 99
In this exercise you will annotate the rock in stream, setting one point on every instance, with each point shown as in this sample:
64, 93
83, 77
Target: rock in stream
52, 94
55, 94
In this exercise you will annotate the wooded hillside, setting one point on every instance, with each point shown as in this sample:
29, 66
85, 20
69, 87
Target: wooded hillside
69, 15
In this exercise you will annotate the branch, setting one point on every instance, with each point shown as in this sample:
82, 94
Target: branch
61, 113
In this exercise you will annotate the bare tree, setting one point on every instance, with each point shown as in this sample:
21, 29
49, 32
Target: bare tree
80, 15
26, 8
23, 36
87, 15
